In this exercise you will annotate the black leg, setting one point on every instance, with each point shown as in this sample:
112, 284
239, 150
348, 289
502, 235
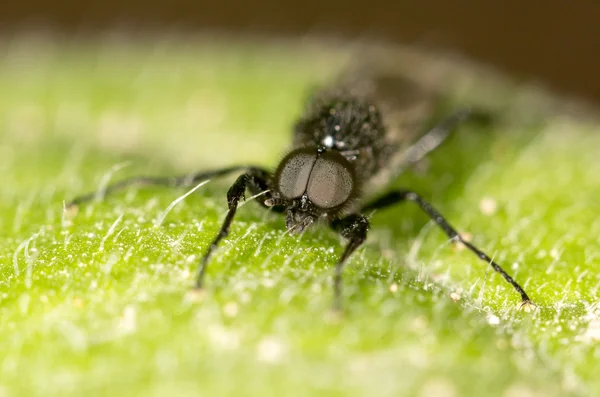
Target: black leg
435, 136
255, 179
354, 227
394, 197
175, 181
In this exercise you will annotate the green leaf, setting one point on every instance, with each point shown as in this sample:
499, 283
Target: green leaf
98, 302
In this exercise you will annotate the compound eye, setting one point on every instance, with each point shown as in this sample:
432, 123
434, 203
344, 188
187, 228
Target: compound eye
331, 182
294, 173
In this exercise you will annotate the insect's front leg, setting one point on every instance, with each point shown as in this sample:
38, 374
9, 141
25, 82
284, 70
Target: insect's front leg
354, 227
256, 179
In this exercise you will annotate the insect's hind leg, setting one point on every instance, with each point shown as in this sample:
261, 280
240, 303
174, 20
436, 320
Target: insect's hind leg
440, 132
435, 136
174, 181
399, 196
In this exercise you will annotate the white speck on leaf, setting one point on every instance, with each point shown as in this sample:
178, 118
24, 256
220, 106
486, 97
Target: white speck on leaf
24, 300
230, 309
492, 319
488, 206
128, 321
223, 338
270, 349
268, 283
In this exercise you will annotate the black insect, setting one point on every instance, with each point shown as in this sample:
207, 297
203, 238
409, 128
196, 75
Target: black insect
354, 137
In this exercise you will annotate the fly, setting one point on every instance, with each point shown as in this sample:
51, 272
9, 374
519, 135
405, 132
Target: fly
354, 137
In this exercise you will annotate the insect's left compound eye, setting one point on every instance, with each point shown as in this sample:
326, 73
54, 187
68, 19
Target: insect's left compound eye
331, 181
294, 173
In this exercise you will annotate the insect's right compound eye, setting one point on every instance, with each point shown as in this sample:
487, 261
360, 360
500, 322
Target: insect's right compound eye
293, 174
331, 182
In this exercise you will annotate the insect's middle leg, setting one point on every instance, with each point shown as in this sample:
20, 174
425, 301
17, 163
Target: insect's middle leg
399, 196
256, 179
354, 227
